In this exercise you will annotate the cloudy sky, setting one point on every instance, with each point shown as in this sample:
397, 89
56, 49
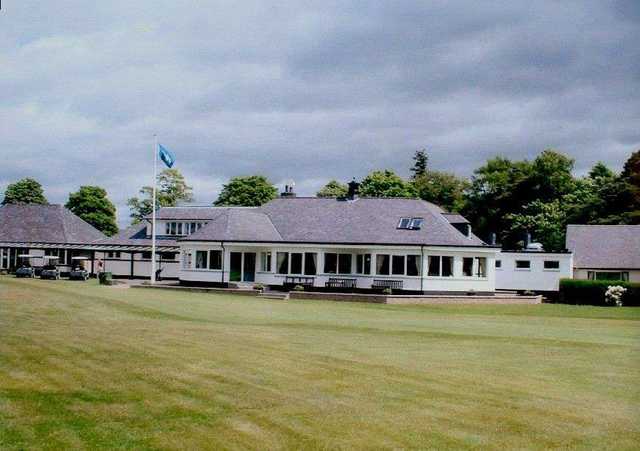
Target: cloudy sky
308, 90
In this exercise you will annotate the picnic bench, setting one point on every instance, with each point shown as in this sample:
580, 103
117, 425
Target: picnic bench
340, 282
381, 284
291, 281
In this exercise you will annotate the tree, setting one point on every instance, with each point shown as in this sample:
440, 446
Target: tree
385, 184
551, 177
631, 177
247, 191
25, 191
333, 189
92, 205
546, 221
171, 190
441, 188
421, 162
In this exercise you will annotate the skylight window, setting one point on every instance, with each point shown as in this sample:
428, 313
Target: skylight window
404, 223
410, 223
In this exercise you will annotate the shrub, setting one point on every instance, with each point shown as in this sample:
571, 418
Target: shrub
614, 295
593, 292
258, 287
298, 288
388, 291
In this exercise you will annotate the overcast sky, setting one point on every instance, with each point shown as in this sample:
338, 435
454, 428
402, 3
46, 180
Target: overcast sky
308, 90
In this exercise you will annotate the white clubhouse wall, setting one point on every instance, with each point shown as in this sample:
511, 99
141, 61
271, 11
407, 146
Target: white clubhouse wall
458, 282
536, 278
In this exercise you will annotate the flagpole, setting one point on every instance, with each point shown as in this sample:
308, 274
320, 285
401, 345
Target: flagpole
153, 218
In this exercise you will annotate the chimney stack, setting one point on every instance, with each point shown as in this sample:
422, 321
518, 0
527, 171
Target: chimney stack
492, 239
353, 190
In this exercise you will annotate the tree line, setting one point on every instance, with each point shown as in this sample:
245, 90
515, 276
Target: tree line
503, 196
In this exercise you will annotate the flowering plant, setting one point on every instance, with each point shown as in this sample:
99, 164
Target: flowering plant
614, 295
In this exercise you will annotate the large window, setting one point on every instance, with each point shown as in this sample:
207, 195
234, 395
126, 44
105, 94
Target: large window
413, 265
440, 266
310, 263
296, 263
265, 261
363, 264
215, 259
397, 265
382, 264
344, 263
467, 266
330, 263
523, 264
282, 259
481, 266
201, 259
608, 275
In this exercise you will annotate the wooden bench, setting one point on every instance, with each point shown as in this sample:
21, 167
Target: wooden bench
336, 282
299, 280
381, 284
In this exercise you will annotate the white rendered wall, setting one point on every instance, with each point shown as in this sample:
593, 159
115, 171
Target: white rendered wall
536, 278
416, 283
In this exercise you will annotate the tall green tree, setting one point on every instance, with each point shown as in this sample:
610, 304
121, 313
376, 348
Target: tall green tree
442, 188
92, 205
386, 184
247, 191
420, 163
171, 190
25, 191
551, 176
631, 177
333, 189
546, 221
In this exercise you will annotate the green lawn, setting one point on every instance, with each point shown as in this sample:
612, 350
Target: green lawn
84, 366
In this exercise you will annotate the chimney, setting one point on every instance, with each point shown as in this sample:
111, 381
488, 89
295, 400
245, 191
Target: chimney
527, 240
288, 190
492, 239
353, 190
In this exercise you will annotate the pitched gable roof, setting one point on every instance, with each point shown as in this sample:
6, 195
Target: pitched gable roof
44, 224
604, 246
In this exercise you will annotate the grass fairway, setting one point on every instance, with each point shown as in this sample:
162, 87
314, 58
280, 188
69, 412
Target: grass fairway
84, 366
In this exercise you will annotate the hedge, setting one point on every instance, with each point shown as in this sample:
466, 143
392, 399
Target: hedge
591, 292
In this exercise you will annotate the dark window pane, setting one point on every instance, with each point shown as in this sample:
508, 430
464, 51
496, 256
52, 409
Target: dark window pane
296, 263
481, 270
447, 266
434, 265
382, 264
367, 263
310, 263
330, 263
551, 264
215, 259
397, 264
282, 259
413, 265
359, 263
523, 264
201, 259
344, 263
467, 266
498, 263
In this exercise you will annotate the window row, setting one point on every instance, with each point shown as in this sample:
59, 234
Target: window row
117, 255
526, 264
182, 228
206, 260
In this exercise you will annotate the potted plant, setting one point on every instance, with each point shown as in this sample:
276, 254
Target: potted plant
298, 288
258, 287
387, 291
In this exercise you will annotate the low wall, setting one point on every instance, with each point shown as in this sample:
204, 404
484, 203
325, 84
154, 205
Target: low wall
200, 290
414, 299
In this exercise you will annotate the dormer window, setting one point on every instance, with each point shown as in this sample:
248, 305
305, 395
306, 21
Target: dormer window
410, 223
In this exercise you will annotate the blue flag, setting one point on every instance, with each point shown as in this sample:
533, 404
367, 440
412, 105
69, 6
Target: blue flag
166, 156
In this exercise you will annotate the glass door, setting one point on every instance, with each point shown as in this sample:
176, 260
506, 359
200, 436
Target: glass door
249, 266
235, 267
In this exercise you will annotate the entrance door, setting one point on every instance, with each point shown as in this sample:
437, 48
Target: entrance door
249, 266
235, 267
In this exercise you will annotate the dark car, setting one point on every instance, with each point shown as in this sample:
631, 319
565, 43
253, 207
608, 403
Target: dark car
25, 271
50, 272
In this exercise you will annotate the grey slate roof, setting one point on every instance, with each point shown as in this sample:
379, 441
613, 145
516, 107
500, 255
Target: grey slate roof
44, 224
328, 220
189, 213
604, 246
455, 218
136, 235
